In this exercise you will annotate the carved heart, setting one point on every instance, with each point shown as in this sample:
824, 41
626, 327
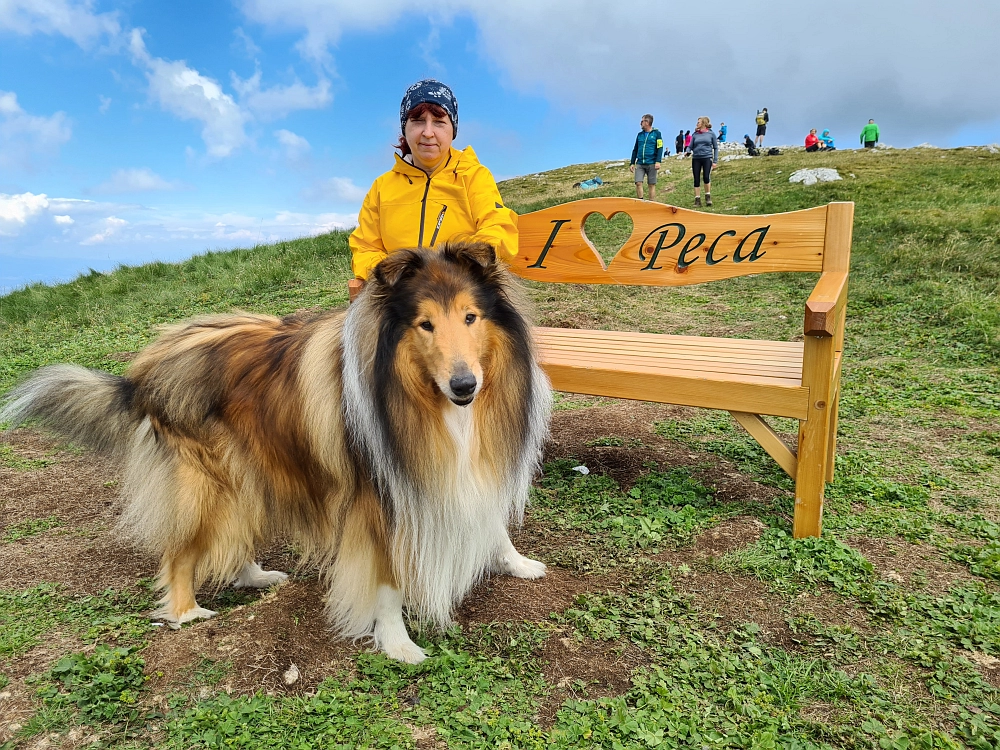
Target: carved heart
608, 236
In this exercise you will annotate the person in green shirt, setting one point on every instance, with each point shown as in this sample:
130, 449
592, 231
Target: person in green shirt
869, 134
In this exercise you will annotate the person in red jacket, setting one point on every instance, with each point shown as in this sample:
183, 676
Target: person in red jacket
812, 142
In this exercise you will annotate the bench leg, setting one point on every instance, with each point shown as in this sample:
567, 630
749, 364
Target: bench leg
814, 436
831, 456
810, 478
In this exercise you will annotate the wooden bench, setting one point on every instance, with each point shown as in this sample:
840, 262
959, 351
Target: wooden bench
672, 246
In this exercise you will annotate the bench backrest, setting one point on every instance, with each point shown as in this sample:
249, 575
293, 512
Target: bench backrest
672, 246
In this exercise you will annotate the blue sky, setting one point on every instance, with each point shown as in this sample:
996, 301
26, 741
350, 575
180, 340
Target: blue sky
133, 130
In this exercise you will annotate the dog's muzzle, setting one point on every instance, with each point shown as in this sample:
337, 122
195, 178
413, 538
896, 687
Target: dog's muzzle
463, 388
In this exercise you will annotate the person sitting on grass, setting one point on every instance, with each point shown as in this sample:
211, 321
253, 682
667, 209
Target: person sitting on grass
748, 142
812, 142
827, 141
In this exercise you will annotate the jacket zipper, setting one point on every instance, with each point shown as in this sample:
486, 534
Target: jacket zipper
437, 227
423, 212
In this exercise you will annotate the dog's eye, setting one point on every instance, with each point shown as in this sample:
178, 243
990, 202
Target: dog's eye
427, 325
470, 319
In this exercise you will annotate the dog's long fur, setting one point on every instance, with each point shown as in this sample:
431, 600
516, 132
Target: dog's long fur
340, 430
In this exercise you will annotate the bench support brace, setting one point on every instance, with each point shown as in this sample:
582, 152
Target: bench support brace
769, 440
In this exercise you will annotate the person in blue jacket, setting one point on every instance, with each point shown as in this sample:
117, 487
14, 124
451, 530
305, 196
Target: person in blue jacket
646, 155
827, 140
722, 132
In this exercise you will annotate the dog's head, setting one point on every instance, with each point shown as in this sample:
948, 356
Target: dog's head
440, 313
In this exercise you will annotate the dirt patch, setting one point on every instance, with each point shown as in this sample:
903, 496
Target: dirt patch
585, 670
916, 567
82, 561
988, 665
251, 647
506, 599
78, 489
730, 535
632, 422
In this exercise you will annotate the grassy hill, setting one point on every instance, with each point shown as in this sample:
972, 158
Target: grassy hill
678, 612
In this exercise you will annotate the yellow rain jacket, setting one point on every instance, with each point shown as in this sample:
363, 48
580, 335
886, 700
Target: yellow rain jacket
405, 208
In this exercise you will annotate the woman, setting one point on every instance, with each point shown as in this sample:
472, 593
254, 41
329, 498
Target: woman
687, 142
433, 193
812, 142
704, 155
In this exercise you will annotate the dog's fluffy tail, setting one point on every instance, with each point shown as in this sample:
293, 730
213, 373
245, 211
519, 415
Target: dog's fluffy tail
89, 407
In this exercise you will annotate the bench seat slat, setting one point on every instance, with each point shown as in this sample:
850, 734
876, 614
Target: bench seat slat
670, 388
691, 367
575, 334
691, 359
763, 377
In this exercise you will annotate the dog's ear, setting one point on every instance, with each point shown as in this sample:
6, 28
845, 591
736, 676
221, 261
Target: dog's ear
397, 266
481, 254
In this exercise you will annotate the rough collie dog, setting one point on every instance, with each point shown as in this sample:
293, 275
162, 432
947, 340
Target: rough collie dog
395, 443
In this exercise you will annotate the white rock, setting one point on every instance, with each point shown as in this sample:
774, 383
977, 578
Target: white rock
993, 148
291, 675
731, 157
812, 176
926, 145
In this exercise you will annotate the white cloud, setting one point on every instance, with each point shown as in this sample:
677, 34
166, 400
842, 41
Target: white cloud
295, 146
17, 210
63, 219
134, 181
77, 21
112, 225
22, 134
186, 93
243, 44
922, 72
278, 101
335, 190
105, 104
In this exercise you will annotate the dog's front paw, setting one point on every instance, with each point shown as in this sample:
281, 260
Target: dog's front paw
174, 621
255, 577
406, 651
520, 566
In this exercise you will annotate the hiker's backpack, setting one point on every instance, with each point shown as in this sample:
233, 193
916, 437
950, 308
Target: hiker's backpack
760, 118
774, 151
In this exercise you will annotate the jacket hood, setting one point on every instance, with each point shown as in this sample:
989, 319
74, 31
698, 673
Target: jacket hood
457, 161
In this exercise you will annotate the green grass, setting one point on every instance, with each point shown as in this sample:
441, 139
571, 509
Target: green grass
26, 529
918, 470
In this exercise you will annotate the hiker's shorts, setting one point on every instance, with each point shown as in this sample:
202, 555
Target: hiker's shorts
762, 129
649, 170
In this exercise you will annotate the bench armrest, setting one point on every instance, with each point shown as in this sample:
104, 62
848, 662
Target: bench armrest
825, 303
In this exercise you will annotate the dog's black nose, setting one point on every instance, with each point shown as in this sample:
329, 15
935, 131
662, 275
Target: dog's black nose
463, 385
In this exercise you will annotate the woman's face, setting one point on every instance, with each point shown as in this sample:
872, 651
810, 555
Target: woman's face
429, 139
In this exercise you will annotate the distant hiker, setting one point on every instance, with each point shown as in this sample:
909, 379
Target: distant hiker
827, 140
722, 132
646, 155
687, 141
762, 120
704, 155
748, 142
869, 134
812, 141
